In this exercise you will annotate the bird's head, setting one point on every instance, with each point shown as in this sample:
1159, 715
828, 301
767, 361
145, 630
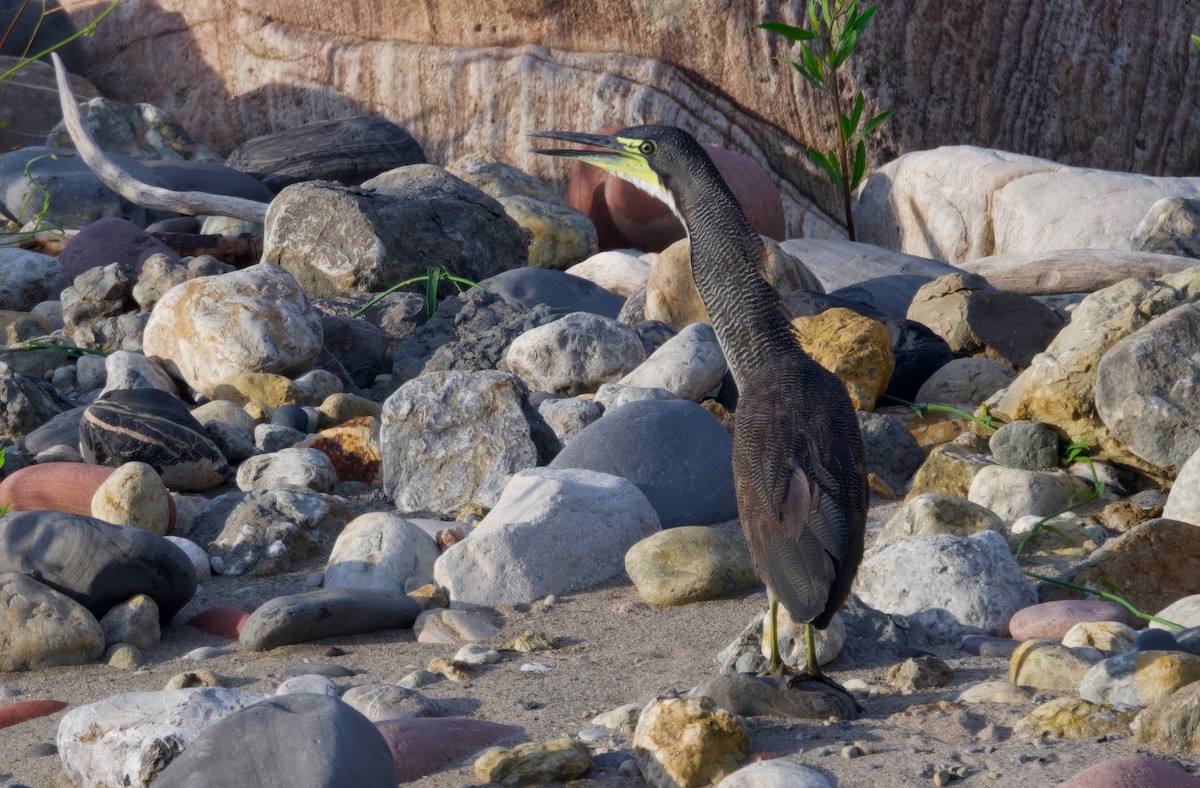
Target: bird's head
659, 160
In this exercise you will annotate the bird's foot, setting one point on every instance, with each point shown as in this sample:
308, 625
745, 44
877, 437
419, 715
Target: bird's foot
798, 677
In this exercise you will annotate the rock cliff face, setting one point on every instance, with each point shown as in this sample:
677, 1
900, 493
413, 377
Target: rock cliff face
1102, 86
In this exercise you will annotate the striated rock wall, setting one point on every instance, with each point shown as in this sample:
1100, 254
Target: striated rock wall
1101, 83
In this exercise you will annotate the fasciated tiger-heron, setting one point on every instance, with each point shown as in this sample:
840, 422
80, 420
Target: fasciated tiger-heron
798, 466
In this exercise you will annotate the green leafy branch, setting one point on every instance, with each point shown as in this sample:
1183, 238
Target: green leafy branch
52, 343
1196, 40
983, 417
3, 506
825, 45
433, 277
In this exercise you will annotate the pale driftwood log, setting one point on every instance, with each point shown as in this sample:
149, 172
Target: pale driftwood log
1071, 270
137, 192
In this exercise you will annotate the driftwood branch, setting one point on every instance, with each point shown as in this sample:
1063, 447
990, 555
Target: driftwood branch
137, 192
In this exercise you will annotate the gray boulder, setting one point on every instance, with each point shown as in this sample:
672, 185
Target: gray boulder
268, 531
1027, 445
139, 131
893, 454
677, 454
551, 532
97, 564
27, 278
974, 319
574, 355
25, 405
525, 288
966, 381
452, 438
1012, 493
40, 627
302, 470
1172, 226
128, 739
389, 230
382, 550
346, 150
689, 364
1145, 390
1183, 501
328, 612
948, 584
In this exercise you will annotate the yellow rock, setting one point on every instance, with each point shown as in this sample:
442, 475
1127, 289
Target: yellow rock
341, 407
948, 469
263, 387
1072, 718
554, 761
688, 742
1045, 665
559, 236
1172, 722
135, 495
1111, 637
352, 448
855, 348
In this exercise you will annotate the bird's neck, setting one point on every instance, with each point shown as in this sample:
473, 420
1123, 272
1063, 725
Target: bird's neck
748, 315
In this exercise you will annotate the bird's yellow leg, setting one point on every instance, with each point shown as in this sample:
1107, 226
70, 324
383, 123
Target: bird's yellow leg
810, 643
775, 663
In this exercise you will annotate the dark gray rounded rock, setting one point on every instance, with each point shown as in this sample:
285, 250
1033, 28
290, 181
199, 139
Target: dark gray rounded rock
97, 564
60, 430
111, 240
1155, 640
286, 742
290, 416
328, 612
77, 195
151, 426
893, 454
347, 150
1028, 445
34, 30
360, 347
211, 178
676, 453
525, 288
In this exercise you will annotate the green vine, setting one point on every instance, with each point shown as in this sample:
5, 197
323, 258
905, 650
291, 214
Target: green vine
433, 277
983, 418
53, 343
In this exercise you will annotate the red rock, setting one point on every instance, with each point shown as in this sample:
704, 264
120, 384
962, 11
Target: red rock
23, 711
1132, 771
224, 622
626, 216
422, 745
1051, 620
60, 487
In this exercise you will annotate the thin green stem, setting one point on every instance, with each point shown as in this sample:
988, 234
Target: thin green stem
84, 31
1106, 595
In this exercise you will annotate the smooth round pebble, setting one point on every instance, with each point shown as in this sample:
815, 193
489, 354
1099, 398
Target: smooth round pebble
477, 654
1052, 620
290, 416
318, 685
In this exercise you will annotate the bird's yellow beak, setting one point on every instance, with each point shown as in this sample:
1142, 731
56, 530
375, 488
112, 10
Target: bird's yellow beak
619, 155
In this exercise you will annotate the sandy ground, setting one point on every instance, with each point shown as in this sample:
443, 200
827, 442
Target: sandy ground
615, 653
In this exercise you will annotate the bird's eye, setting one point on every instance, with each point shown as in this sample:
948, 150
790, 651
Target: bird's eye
648, 147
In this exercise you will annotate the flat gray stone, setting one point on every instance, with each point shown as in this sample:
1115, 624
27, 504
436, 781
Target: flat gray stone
300, 618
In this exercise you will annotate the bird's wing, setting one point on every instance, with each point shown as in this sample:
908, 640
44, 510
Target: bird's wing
789, 504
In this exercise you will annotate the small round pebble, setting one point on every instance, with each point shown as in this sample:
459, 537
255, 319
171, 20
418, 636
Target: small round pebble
628, 768
417, 679
123, 656
1155, 640
477, 654
318, 685
536, 667
852, 751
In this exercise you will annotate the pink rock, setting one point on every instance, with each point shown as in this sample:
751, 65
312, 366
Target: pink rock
1132, 771
224, 622
23, 711
422, 745
1051, 620
626, 216
60, 487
